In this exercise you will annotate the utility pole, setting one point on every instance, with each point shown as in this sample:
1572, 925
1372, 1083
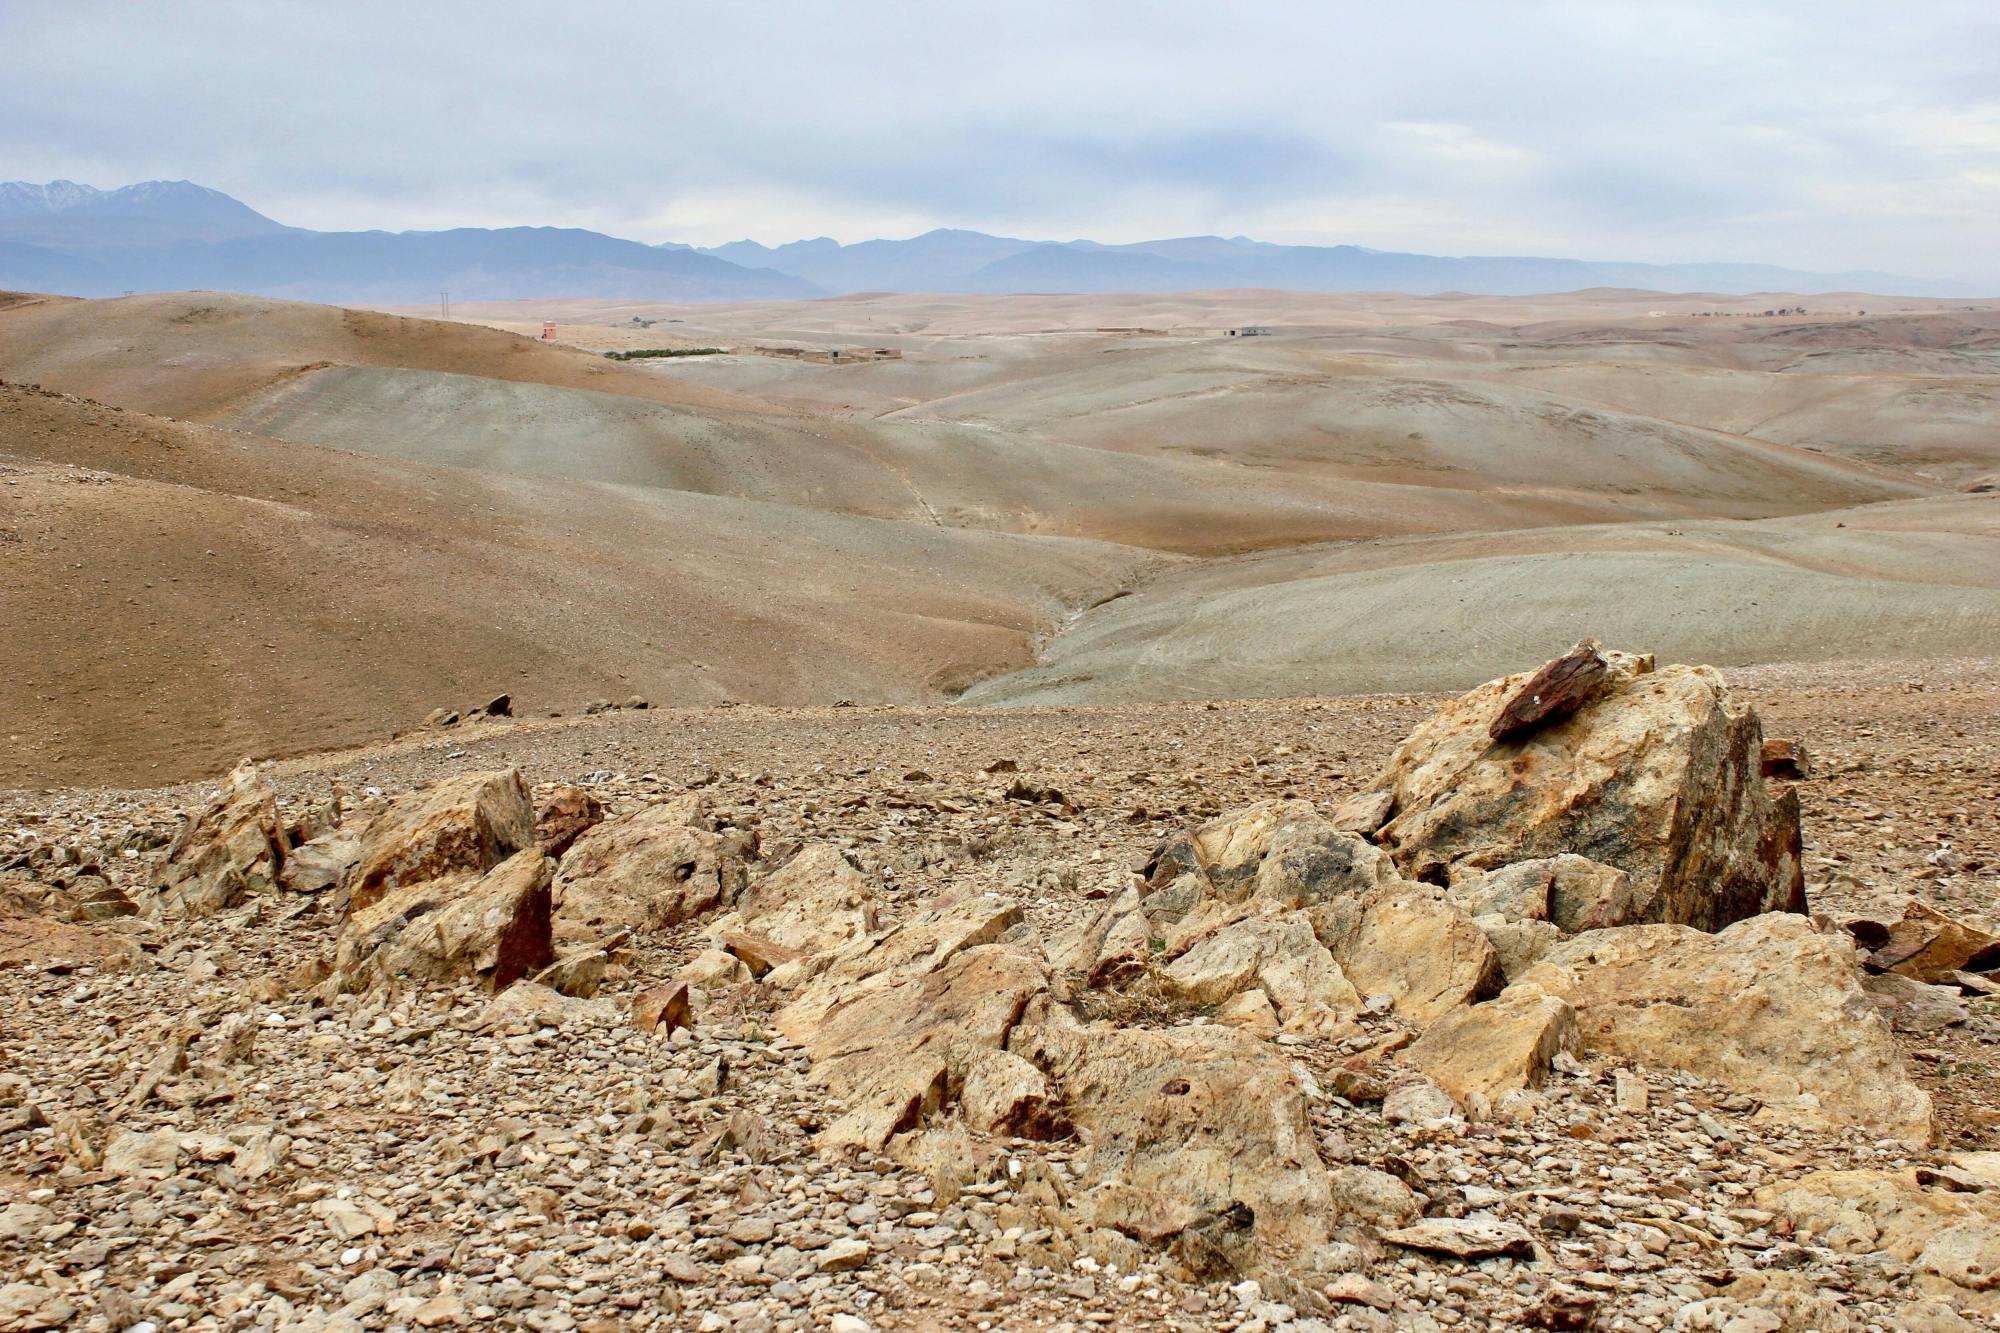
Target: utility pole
444, 301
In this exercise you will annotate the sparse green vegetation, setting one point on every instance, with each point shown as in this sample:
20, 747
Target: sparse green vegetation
639, 352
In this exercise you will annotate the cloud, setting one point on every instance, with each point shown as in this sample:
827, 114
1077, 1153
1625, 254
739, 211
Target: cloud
1828, 135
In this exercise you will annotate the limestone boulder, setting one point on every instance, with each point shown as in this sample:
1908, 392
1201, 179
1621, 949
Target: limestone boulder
1412, 945
1656, 773
464, 825
645, 871
1262, 860
322, 864
820, 984
1573, 892
896, 1052
1481, 1053
491, 928
231, 849
1952, 1237
1769, 1007
1000, 1093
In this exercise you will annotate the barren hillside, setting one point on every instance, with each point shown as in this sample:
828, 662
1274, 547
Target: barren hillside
182, 596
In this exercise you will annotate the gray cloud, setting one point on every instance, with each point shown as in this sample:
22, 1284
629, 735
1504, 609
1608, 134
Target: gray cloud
1829, 135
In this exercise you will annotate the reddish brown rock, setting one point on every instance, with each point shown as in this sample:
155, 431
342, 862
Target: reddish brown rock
566, 815
1557, 690
662, 1009
1784, 759
1926, 945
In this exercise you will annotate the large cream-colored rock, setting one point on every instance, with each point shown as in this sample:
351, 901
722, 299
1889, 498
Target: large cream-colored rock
466, 824
1003, 1094
1769, 1007
231, 849
816, 901
822, 983
1657, 774
646, 871
492, 928
1408, 943
323, 864
1482, 1052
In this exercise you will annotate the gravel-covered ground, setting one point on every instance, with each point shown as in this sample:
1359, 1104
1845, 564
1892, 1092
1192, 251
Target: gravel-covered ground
430, 1159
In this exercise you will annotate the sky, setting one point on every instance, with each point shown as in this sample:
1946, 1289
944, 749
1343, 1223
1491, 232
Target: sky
1828, 135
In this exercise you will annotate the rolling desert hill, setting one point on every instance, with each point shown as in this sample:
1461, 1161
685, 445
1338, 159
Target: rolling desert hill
197, 354
1193, 446
182, 595
1915, 579
284, 526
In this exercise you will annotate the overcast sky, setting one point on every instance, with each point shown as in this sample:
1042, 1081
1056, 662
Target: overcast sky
1824, 135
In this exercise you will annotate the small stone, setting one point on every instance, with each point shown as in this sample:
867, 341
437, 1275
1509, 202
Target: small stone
843, 1256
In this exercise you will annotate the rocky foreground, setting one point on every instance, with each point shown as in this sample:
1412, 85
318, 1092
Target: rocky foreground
1588, 1005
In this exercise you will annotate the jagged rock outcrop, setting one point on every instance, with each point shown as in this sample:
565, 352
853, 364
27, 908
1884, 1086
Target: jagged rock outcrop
1279, 956
322, 864
467, 824
492, 928
1769, 1007
1276, 854
231, 849
1656, 773
645, 871
816, 901
1265, 860
1196, 1137
1572, 892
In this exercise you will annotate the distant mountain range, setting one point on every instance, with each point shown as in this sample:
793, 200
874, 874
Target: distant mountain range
970, 261
175, 235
